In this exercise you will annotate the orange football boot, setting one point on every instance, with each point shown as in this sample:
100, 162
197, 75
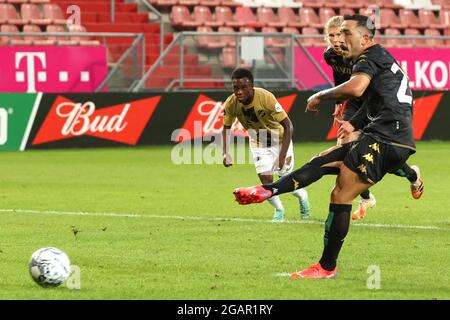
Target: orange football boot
315, 272
255, 194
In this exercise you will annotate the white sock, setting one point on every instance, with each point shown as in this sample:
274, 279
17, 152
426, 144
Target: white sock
300, 193
276, 202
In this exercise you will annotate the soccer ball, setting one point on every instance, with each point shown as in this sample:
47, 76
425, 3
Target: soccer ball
49, 267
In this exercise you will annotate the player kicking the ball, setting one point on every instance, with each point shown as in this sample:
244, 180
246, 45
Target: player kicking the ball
384, 145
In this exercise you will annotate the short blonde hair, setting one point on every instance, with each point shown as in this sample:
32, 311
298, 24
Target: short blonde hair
334, 22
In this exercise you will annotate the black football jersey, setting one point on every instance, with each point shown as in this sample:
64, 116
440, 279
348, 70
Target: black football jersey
388, 98
342, 68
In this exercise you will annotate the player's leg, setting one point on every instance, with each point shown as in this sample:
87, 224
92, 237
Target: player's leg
366, 202
412, 173
301, 194
275, 201
348, 187
264, 159
365, 165
327, 162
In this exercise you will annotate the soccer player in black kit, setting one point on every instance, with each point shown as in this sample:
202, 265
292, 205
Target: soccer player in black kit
344, 110
383, 147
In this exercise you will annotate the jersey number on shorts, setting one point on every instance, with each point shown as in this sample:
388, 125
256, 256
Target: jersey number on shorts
402, 91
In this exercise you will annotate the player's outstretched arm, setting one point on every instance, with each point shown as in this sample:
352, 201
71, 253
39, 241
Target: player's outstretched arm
353, 88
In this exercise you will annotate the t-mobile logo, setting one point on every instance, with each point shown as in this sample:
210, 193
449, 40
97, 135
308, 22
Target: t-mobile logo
37, 60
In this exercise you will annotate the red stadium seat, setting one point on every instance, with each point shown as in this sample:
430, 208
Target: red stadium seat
39, 1
310, 18
326, 14
166, 3
415, 42
16, 1
203, 15
444, 18
225, 15
269, 18
447, 34
54, 13
388, 19
9, 15
436, 43
31, 14
279, 42
210, 41
344, 11
290, 30
247, 29
334, 4
353, 4
228, 57
246, 15
62, 40
8, 39
37, 40
409, 18
210, 3
227, 40
429, 20
313, 3
394, 42
181, 17
288, 14
315, 42
84, 41
188, 3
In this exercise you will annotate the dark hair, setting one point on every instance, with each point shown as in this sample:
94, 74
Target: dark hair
240, 73
362, 21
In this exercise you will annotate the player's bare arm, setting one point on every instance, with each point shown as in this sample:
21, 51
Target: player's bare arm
227, 160
288, 131
353, 88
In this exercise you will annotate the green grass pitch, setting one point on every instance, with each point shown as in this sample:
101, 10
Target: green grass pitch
155, 230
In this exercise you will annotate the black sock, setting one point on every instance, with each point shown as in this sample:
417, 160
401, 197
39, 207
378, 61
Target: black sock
297, 179
336, 228
407, 172
365, 195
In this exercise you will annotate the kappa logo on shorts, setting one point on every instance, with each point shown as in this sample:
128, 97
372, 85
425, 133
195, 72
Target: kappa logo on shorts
375, 147
363, 168
368, 157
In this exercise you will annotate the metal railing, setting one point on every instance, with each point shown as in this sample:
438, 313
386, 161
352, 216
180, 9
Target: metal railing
129, 70
272, 70
188, 41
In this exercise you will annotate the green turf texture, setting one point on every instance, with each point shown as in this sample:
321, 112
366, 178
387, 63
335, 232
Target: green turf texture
157, 254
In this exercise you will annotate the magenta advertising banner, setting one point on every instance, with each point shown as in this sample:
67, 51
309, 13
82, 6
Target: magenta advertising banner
51, 68
427, 68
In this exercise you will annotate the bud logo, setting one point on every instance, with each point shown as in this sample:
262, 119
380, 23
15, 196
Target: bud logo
423, 110
122, 123
210, 113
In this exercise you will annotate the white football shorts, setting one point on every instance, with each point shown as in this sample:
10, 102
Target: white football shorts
264, 159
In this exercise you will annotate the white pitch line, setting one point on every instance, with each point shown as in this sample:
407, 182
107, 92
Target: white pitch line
152, 216
282, 274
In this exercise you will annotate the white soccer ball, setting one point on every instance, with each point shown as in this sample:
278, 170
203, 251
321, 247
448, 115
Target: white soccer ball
49, 267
